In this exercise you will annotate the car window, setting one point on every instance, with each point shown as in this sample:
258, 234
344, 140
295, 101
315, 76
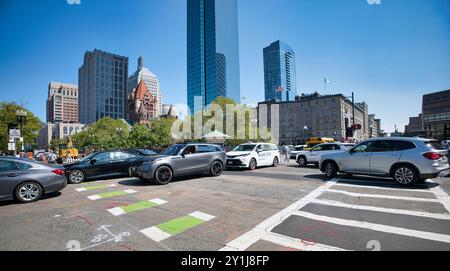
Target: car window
403, 145
246, 147
383, 146
189, 150
323, 148
103, 157
267, 147
7, 166
204, 149
364, 147
121, 156
24, 166
173, 150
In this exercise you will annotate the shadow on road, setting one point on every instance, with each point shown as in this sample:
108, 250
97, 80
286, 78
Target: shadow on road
44, 197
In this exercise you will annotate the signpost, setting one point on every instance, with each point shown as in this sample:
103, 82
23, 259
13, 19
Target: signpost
14, 133
11, 146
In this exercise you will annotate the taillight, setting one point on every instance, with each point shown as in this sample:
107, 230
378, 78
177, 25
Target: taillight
58, 172
432, 155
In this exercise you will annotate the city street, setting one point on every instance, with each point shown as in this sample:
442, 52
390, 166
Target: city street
278, 209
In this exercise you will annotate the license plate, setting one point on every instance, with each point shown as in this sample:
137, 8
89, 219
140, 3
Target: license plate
230, 162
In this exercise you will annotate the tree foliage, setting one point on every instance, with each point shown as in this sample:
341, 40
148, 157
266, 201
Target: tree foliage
8, 115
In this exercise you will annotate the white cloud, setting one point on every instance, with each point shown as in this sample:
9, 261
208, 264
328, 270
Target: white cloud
374, 2
74, 2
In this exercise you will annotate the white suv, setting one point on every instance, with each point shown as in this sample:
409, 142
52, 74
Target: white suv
314, 155
253, 155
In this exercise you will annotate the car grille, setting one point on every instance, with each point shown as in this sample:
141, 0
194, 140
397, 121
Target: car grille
235, 163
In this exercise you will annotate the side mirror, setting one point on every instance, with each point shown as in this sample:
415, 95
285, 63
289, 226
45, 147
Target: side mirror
93, 161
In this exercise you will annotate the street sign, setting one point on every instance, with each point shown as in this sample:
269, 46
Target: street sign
11, 139
14, 133
11, 146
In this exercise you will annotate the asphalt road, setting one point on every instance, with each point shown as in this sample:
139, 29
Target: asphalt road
284, 208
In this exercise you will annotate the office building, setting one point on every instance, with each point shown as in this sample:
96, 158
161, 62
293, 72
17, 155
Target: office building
54, 131
62, 103
436, 114
212, 52
374, 126
313, 116
279, 72
151, 82
102, 81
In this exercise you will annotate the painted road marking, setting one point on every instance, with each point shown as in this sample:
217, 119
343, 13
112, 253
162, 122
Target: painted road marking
112, 194
382, 188
440, 194
377, 227
244, 241
173, 227
295, 243
361, 195
96, 187
383, 210
136, 207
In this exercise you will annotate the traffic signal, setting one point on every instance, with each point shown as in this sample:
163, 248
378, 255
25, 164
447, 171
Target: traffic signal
357, 127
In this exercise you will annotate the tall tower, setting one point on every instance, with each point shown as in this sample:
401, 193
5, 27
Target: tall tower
212, 51
279, 72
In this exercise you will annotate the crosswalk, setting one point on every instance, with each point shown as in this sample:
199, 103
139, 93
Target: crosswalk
354, 214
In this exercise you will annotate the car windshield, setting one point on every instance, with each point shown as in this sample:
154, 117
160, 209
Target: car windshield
245, 148
172, 151
87, 158
147, 152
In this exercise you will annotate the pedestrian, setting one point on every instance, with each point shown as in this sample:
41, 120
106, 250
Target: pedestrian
52, 157
445, 145
286, 150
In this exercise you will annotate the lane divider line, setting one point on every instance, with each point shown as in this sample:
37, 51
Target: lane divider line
142, 205
382, 188
361, 195
334, 203
438, 237
112, 194
176, 226
96, 187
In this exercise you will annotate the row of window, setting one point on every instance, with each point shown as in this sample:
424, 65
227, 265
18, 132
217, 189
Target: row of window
437, 117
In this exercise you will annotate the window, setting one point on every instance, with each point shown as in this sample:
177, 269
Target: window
24, 166
7, 166
364, 147
383, 146
403, 145
204, 149
189, 150
103, 157
120, 156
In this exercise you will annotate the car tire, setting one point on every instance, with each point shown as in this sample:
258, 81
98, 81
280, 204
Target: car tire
276, 162
302, 162
28, 192
330, 169
163, 175
216, 169
76, 177
405, 175
252, 165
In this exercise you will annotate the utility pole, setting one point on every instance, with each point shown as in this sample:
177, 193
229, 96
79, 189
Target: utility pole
353, 108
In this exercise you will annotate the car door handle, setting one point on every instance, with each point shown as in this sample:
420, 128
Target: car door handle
13, 175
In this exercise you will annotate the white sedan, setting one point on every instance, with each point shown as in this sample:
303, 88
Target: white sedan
253, 155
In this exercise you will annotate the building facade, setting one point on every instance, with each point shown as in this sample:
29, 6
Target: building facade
150, 80
279, 72
142, 106
374, 126
212, 52
415, 127
62, 103
436, 114
52, 131
102, 81
313, 116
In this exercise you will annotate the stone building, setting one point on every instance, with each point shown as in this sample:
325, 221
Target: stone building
142, 106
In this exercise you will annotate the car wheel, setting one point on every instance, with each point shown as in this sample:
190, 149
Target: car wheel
405, 175
28, 192
302, 161
252, 165
76, 177
330, 170
163, 175
276, 162
216, 169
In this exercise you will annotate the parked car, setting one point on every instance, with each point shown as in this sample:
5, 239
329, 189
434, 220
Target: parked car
111, 164
27, 181
253, 155
406, 160
314, 155
296, 150
181, 160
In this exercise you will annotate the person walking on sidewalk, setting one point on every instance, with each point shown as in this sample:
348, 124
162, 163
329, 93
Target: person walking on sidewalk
287, 151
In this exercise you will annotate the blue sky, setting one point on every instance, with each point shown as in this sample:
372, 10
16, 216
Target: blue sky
388, 54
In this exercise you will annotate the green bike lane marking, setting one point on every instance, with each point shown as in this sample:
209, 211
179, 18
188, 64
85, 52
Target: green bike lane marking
111, 194
95, 187
176, 226
121, 210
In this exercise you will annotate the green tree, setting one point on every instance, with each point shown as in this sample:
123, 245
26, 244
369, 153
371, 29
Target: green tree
8, 115
141, 137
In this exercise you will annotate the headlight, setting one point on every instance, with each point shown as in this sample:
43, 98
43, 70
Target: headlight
151, 162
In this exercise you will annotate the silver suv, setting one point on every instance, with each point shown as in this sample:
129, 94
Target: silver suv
407, 160
181, 160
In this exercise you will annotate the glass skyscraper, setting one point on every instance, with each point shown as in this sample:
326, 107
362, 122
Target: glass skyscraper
102, 81
212, 51
279, 72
